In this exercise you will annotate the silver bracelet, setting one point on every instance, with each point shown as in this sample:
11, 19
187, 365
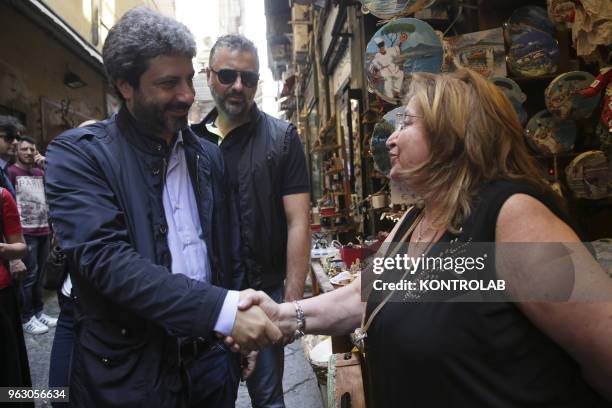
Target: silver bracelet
301, 321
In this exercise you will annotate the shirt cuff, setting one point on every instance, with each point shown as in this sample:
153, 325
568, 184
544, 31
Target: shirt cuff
225, 321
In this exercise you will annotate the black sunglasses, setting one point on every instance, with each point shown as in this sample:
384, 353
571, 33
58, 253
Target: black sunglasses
228, 77
9, 138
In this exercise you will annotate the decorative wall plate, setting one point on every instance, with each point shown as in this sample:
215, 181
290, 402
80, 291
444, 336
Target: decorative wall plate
549, 135
588, 175
514, 92
528, 18
482, 51
387, 9
399, 48
533, 54
380, 134
563, 99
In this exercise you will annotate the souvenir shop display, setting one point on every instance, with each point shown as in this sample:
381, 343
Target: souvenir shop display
588, 176
549, 135
563, 97
399, 48
482, 51
516, 95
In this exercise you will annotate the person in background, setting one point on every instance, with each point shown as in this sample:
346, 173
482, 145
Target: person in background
30, 190
15, 371
460, 147
268, 183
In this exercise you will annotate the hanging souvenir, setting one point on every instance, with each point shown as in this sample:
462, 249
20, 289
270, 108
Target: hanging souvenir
561, 12
387, 9
533, 54
482, 51
380, 134
399, 48
514, 92
602, 84
525, 19
563, 98
588, 176
549, 135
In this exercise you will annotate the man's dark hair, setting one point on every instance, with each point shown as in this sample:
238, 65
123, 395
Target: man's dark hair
233, 42
140, 35
10, 125
27, 139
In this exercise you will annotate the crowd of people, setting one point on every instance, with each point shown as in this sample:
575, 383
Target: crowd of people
186, 248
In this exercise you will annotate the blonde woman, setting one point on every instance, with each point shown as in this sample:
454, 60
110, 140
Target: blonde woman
460, 147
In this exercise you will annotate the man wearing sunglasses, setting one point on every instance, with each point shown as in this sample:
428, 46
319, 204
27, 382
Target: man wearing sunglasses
268, 180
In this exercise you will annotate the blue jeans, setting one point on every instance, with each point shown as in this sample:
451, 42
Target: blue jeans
265, 385
61, 351
30, 287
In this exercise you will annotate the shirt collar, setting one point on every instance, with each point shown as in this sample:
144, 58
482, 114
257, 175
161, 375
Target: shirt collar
3, 164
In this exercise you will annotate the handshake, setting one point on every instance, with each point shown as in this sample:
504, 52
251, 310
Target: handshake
260, 322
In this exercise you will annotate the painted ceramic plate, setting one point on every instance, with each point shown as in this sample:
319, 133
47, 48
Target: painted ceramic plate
534, 54
549, 135
525, 19
482, 51
514, 92
562, 97
587, 175
399, 48
382, 131
386, 9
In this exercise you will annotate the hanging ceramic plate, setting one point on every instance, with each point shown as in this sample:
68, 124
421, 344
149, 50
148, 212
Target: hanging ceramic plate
588, 177
482, 51
380, 134
387, 9
549, 135
399, 48
514, 92
534, 54
525, 19
562, 97
561, 12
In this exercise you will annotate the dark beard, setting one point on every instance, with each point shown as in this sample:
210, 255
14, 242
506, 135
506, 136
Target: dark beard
231, 110
151, 117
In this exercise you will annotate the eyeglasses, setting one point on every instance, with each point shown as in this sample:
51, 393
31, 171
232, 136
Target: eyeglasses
403, 120
228, 77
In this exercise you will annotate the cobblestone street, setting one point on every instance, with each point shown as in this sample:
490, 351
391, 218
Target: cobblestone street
299, 383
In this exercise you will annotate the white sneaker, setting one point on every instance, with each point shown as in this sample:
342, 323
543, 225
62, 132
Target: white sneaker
47, 320
33, 326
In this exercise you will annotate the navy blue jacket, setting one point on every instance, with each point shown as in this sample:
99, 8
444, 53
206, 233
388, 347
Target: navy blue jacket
104, 185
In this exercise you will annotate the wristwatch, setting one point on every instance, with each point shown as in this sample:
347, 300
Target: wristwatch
301, 321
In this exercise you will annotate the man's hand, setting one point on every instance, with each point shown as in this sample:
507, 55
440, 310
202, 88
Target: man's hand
39, 160
253, 330
283, 315
18, 269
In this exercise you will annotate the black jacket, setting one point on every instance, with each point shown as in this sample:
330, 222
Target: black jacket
263, 225
104, 187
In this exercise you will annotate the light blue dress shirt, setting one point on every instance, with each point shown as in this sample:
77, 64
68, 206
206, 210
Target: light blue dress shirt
185, 238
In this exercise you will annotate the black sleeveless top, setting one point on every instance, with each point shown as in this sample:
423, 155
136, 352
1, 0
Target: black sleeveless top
487, 354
